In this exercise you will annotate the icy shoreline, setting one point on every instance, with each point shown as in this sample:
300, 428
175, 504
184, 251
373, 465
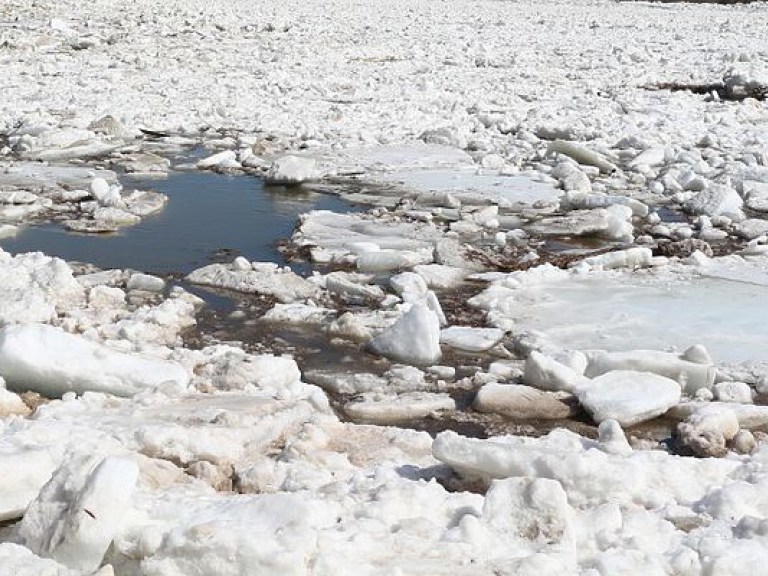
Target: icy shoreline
552, 235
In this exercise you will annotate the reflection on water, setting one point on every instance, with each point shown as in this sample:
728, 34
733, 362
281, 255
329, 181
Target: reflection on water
206, 213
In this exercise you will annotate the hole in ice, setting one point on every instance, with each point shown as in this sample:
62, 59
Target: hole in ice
723, 91
669, 215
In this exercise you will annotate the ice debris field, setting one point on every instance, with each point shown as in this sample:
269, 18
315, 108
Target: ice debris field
537, 345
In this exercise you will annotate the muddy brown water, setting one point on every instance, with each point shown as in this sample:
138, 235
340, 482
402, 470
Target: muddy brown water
215, 217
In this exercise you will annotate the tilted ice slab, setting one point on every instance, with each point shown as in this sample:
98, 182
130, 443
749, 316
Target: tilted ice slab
413, 339
52, 362
91, 495
624, 310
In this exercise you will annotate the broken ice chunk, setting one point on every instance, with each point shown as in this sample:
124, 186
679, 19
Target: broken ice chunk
629, 397
413, 339
76, 515
52, 362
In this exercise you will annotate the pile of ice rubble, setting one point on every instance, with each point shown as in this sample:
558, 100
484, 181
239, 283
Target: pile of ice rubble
468, 77
178, 461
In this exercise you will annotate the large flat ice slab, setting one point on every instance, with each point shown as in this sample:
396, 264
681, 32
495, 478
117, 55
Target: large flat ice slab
629, 397
35, 175
473, 187
332, 236
621, 310
255, 278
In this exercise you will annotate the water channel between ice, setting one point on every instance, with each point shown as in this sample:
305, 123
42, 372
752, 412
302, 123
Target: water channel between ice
206, 213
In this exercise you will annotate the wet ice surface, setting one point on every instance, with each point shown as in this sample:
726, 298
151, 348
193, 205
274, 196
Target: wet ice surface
206, 213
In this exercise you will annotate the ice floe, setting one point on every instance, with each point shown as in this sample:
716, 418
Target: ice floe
520, 402
655, 310
488, 138
381, 409
381, 245
413, 339
263, 278
470, 339
629, 397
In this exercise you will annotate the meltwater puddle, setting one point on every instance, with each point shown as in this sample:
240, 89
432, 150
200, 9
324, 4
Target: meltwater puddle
206, 213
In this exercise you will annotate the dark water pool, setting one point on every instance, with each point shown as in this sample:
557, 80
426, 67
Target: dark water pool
206, 213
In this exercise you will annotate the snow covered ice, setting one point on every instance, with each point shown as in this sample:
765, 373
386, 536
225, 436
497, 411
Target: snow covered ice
537, 344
